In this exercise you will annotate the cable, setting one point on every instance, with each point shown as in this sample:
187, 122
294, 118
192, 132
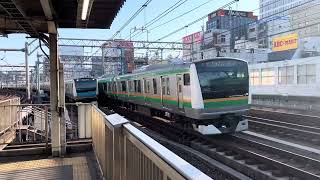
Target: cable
132, 17
43, 50
177, 17
267, 17
163, 14
193, 22
169, 10
181, 15
246, 24
192, 11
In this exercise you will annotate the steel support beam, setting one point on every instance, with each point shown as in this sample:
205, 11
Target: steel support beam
54, 96
73, 42
4, 49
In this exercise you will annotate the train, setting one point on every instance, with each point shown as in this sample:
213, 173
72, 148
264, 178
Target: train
210, 96
81, 89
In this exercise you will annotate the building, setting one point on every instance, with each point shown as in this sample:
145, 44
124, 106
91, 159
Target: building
193, 45
258, 33
217, 39
236, 22
305, 20
118, 57
269, 8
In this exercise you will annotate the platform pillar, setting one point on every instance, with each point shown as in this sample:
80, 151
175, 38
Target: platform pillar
62, 109
54, 96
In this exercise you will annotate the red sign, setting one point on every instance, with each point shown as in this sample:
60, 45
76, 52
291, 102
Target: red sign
197, 37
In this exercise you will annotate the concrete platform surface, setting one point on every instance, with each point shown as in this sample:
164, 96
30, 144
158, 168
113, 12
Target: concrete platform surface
80, 166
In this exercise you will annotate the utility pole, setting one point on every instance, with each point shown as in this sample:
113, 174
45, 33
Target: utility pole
38, 76
103, 66
27, 71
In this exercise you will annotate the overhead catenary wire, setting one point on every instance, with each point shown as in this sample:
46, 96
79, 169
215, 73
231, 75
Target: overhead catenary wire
193, 9
163, 14
166, 12
193, 22
132, 18
177, 17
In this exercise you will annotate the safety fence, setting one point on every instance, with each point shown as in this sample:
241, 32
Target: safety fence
124, 152
31, 123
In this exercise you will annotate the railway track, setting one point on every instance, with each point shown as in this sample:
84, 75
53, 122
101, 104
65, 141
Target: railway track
305, 132
8, 93
251, 158
299, 119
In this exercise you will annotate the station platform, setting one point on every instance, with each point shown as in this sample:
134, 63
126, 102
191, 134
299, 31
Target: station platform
78, 166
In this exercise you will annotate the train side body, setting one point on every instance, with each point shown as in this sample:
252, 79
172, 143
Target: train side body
82, 89
189, 91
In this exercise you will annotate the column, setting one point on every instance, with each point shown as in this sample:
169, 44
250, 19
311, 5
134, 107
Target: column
54, 96
62, 109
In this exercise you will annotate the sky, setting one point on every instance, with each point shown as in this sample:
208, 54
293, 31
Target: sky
17, 41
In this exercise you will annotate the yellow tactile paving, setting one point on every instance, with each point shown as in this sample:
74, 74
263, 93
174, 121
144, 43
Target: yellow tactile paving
79, 164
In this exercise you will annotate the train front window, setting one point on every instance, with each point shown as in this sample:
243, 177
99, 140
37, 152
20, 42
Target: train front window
223, 78
86, 85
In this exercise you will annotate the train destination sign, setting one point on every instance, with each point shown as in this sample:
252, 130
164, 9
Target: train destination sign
284, 43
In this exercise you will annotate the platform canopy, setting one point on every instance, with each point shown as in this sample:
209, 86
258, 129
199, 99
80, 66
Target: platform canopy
35, 17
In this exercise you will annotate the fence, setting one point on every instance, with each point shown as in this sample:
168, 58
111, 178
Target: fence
31, 123
124, 152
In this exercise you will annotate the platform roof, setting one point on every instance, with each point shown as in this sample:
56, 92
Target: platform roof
43, 16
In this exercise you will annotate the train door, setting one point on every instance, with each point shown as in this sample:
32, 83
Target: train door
163, 88
179, 90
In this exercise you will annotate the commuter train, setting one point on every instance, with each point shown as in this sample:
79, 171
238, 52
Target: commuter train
81, 89
209, 95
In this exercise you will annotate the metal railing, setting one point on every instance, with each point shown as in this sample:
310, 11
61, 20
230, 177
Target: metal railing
124, 152
31, 123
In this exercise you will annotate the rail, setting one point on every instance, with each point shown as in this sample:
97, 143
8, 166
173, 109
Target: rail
124, 152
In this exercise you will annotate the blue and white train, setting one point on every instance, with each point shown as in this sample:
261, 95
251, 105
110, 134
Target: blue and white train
81, 89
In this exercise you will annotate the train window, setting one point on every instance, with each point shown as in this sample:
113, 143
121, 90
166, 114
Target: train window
186, 79
307, 74
123, 86
145, 86
137, 86
168, 86
154, 81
